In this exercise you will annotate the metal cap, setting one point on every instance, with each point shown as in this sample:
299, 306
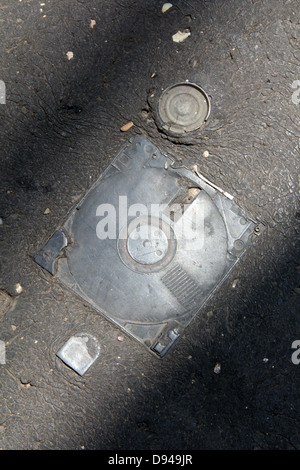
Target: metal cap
183, 107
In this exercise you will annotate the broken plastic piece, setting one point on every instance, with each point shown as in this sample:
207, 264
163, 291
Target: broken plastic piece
47, 257
80, 352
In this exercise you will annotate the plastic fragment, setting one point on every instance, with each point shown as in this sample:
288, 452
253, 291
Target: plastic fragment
80, 352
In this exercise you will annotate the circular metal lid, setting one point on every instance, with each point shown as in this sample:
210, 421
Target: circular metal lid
183, 107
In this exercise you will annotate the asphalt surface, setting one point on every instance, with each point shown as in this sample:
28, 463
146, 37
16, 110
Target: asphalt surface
60, 127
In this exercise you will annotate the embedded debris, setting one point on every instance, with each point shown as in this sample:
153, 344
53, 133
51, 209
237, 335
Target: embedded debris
180, 36
166, 7
127, 126
18, 288
70, 55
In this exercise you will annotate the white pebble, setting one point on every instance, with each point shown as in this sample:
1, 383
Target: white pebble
18, 288
206, 154
70, 55
166, 7
217, 368
180, 36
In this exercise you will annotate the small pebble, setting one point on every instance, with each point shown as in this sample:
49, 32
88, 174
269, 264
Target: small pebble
120, 338
70, 55
206, 154
47, 211
18, 288
92, 24
217, 368
180, 36
166, 7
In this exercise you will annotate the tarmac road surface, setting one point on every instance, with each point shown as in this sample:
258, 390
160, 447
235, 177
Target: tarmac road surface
74, 72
